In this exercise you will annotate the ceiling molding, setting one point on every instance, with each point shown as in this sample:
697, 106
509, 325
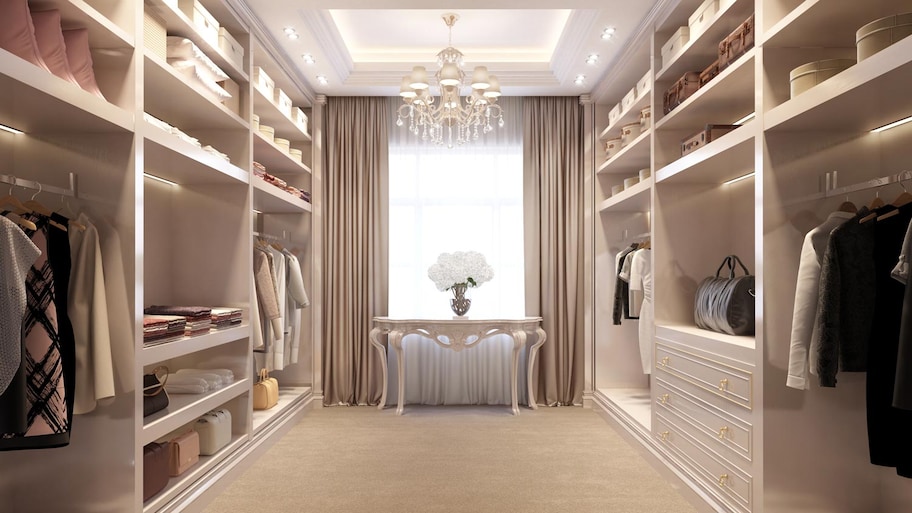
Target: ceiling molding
576, 32
508, 78
322, 26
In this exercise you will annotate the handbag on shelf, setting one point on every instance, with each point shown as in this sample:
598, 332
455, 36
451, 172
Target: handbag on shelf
214, 430
155, 397
155, 469
265, 392
184, 453
726, 304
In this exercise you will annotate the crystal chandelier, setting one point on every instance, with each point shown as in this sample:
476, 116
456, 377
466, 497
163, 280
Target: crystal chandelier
451, 118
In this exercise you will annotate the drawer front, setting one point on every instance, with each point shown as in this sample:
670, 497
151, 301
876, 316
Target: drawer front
729, 436
728, 382
732, 485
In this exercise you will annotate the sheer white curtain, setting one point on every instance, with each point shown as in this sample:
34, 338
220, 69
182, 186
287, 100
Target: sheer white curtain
443, 200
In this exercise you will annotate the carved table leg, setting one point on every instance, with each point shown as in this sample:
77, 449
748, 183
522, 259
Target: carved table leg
375, 341
519, 342
533, 351
395, 339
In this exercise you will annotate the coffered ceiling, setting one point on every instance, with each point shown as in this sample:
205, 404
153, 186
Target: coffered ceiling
365, 47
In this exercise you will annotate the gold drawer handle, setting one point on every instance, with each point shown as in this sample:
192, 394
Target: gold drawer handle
665, 361
723, 480
663, 398
723, 432
723, 385
664, 435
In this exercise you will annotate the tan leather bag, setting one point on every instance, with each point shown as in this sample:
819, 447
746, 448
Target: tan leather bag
265, 392
185, 452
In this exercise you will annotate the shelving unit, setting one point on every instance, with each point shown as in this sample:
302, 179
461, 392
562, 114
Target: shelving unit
186, 345
268, 198
289, 396
634, 199
186, 408
275, 160
629, 115
631, 158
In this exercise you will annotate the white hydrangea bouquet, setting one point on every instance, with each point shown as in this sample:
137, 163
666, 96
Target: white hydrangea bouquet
462, 268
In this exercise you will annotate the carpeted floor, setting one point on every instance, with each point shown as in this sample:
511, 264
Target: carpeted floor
451, 459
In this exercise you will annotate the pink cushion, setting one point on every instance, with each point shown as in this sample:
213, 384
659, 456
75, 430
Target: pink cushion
50, 42
17, 33
79, 55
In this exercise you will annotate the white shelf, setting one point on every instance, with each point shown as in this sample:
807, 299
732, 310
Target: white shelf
103, 33
180, 104
185, 408
692, 334
178, 24
853, 101
801, 28
177, 484
631, 158
697, 54
38, 102
635, 402
270, 115
288, 397
187, 345
725, 99
170, 157
269, 199
631, 115
634, 199
277, 162
729, 156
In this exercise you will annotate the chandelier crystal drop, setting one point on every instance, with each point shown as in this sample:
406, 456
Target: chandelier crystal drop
450, 118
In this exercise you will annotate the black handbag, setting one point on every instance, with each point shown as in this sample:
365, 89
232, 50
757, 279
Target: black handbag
726, 304
155, 398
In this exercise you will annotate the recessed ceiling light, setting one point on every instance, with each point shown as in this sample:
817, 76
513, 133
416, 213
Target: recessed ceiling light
289, 30
608, 32
308, 58
580, 80
291, 33
592, 59
322, 79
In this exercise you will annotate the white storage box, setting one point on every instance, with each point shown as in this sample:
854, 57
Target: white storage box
646, 119
674, 44
282, 101
263, 83
296, 155
644, 85
629, 99
255, 122
284, 144
155, 34
879, 34
206, 24
612, 147
725, 4
300, 119
808, 75
614, 114
231, 48
214, 429
629, 133
630, 182
267, 132
617, 189
700, 19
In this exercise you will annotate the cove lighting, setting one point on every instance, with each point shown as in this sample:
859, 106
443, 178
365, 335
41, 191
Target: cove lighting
11, 130
308, 58
592, 59
745, 177
162, 180
892, 125
745, 119
580, 80
322, 79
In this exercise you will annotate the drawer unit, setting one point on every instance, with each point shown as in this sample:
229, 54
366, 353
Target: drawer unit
710, 375
733, 486
725, 434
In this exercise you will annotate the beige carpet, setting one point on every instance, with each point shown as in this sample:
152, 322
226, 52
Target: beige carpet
451, 459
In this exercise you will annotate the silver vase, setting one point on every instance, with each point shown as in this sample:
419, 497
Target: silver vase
460, 304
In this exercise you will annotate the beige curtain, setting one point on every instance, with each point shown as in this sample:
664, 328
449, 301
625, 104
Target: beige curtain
355, 254
553, 179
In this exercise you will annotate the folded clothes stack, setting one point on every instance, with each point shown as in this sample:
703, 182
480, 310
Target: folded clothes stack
226, 317
158, 329
198, 319
259, 169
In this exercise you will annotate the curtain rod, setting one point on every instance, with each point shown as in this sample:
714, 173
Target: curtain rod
40, 187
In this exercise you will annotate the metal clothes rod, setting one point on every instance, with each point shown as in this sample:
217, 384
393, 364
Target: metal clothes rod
268, 236
38, 186
870, 184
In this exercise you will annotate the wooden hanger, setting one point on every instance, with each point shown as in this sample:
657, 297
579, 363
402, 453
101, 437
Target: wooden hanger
647, 244
848, 206
904, 198
876, 202
21, 221
11, 201
68, 212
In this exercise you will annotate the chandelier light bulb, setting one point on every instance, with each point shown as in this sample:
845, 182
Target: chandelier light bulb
419, 78
480, 78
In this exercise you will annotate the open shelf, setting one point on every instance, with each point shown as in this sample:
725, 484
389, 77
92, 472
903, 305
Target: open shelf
103, 33
185, 408
634, 199
270, 115
269, 199
36, 101
179, 103
178, 484
187, 345
697, 54
288, 397
868, 95
725, 99
719, 161
277, 162
178, 24
692, 335
631, 158
631, 115
801, 28
170, 157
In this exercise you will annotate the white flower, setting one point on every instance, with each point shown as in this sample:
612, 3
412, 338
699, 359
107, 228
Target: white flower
468, 267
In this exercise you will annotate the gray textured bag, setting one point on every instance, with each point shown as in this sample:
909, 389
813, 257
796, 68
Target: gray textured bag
726, 305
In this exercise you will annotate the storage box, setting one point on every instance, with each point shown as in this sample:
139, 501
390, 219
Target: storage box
644, 85
617, 189
612, 147
630, 182
232, 103
267, 132
674, 44
206, 24
702, 138
879, 34
681, 90
629, 99
737, 43
284, 144
263, 83
709, 73
644, 174
808, 75
629, 133
701, 18
155, 34
646, 119
299, 118
614, 114
296, 155
282, 101
725, 4
231, 48
255, 122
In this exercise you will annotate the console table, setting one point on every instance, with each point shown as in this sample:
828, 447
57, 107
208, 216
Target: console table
458, 334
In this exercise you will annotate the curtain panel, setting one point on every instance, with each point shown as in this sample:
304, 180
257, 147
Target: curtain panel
355, 254
553, 181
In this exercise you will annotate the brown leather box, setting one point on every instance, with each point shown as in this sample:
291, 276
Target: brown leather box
737, 43
703, 137
709, 73
681, 90
155, 469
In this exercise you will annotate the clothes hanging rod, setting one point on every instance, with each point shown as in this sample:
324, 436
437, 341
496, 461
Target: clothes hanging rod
38, 186
635, 237
870, 184
269, 236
